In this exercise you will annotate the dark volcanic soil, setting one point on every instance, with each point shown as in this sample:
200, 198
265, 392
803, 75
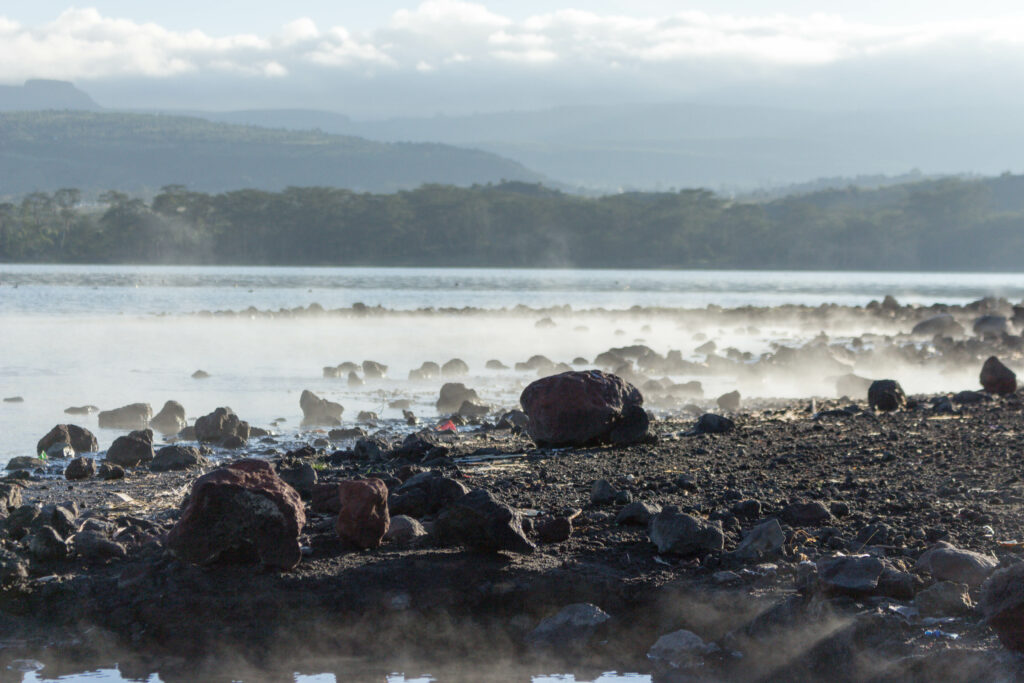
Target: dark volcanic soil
892, 485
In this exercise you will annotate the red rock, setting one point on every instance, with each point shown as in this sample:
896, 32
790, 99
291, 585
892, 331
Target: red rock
363, 519
996, 378
243, 511
578, 408
326, 498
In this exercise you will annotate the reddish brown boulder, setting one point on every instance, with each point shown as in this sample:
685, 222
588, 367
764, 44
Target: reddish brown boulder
996, 378
582, 408
363, 519
242, 512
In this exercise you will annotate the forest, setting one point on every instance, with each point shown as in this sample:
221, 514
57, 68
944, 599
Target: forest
945, 224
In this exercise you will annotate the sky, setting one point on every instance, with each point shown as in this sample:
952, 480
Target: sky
395, 58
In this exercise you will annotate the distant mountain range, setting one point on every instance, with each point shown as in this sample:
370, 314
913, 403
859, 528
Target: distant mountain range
40, 94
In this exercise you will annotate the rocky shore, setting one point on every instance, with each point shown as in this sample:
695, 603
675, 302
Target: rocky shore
801, 541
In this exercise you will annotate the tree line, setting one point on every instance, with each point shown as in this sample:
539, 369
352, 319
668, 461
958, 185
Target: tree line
949, 224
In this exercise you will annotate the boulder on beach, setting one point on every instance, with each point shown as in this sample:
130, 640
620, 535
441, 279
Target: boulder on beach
453, 395
481, 522
990, 325
80, 439
319, 411
242, 512
729, 402
456, 367
80, 468
581, 408
996, 378
170, 419
1002, 604
886, 395
374, 370
130, 451
363, 515
133, 416
221, 425
177, 457
678, 533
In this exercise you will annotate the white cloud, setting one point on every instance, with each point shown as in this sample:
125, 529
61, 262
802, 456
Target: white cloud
82, 44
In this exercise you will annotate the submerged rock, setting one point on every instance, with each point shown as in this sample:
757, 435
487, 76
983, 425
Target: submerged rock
241, 512
133, 416
130, 451
571, 628
582, 408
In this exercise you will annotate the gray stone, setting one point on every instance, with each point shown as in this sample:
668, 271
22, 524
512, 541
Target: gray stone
639, 512
129, 451
25, 462
709, 423
602, 493
764, 539
571, 628
109, 471
682, 534
170, 419
177, 457
404, 530
319, 411
12, 568
947, 563
94, 545
852, 574
944, 599
481, 522
133, 416
680, 649
807, 513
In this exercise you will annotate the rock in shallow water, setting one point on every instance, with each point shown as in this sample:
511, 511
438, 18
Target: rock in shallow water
80, 468
79, 438
240, 512
177, 457
133, 416
170, 419
220, 425
319, 411
570, 629
130, 451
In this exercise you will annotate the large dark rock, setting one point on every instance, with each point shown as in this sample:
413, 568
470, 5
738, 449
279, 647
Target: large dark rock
481, 522
374, 370
177, 457
221, 424
129, 451
709, 423
79, 438
425, 493
453, 395
1002, 604
682, 534
806, 513
579, 408
729, 402
363, 515
80, 468
319, 411
948, 563
886, 395
133, 416
996, 378
241, 512
170, 419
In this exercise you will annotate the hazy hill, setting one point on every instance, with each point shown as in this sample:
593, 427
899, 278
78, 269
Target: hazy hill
38, 94
139, 153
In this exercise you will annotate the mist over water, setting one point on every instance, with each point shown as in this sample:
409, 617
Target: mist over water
109, 336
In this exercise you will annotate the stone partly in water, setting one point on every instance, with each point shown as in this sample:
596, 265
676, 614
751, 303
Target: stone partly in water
220, 425
481, 522
453, 395
242, 512
79, 438
943, 324
25, 462
134, 416
886, 395
170, 419
680, 649
130, 451
177, 457
850, 574
996, 378
682, 534
572, 628
363, 515
80, 468
319, 411
580, 408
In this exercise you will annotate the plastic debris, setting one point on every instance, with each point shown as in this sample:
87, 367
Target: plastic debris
939, 633
447, 426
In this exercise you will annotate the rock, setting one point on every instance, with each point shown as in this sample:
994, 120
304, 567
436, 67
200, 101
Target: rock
10, 497
748, 508
221, 424
301, 477
81, 410
767, 538
639, 512
633, 427
729, 402
456, 367
240, 512
852, 385
367, 416
14, 399
374, 370
94, 545
453, 395
130, 451
572, 628
79, 438
495, 365
400, 404
170, 419
481, 522
944, 599
513, 419
709, 423
812, 513
325, 498
968, 397
12, 568
470, 410
177, 457
602, 493
319, 411
555, 530
330, 372
886, 395
426, 493
996, 378
850, 574
680, 650
200, 374
404, 530
990, 325
947, 563
1002, 603
682, 534
942, 324
133, 416
363, 518
109, 471
578, 408
347, 433
371, 448
25, 462
46, 545
80, 468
